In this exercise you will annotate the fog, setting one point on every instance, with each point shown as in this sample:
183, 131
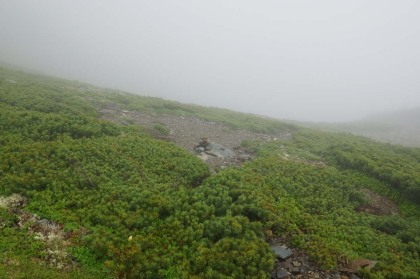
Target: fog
305, 60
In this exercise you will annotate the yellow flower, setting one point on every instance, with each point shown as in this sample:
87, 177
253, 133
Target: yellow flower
130, 238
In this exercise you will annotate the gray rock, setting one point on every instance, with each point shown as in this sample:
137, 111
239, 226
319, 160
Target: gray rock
282, 274
282, 252
219, 150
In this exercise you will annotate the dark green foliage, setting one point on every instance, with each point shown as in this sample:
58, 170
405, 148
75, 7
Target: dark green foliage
389, 225
397, 166
113, 183
7, 220
137, 207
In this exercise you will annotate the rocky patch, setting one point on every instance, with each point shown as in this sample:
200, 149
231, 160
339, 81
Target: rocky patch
218, 156
191, 133
50, 233
186, 131
295, 264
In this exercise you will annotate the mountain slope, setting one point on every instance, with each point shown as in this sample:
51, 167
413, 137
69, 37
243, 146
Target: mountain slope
403, 127
112, 201
398, 127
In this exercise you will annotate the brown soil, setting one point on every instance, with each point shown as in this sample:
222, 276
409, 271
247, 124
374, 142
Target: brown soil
377, 204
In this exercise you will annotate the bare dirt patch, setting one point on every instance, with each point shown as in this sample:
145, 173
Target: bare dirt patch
377, 204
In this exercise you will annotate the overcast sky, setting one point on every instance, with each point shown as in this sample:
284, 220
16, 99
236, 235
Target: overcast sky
307, 60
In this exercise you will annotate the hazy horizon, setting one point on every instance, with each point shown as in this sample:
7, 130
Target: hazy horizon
301, 60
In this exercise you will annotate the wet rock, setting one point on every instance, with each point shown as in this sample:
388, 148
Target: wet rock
282, 252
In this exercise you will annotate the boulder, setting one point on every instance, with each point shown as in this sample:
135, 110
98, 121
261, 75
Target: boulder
282, 274
282, 252
219, 150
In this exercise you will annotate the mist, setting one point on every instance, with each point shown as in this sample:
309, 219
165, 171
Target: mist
304, 60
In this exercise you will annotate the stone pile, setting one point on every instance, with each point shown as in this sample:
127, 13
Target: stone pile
218, 156
295, 264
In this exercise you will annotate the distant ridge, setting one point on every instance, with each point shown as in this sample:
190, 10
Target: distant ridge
398, 127
402, 117
401, 127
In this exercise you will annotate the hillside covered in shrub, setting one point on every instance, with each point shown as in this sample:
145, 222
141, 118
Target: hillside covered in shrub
82, 197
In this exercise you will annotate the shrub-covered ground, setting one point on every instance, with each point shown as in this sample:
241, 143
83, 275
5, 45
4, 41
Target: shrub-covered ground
130, 206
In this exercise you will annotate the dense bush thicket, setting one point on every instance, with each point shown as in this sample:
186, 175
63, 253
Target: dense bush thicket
112, 183
136, 207
395, 165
